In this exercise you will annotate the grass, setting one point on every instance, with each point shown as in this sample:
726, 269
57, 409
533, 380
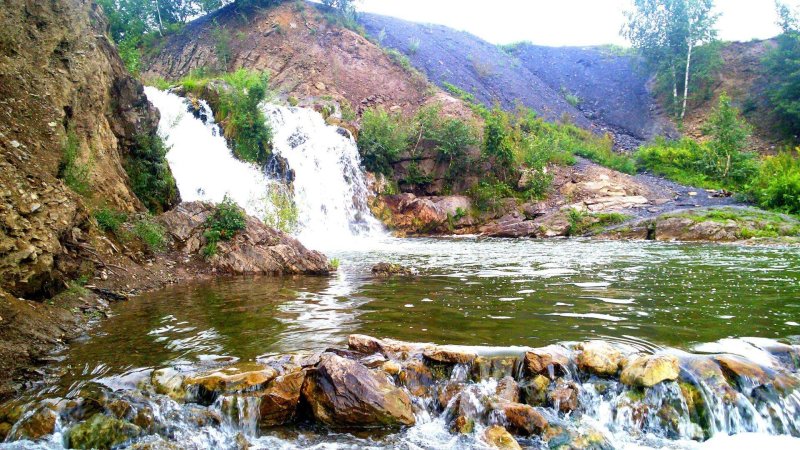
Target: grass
752, 223
335, 263
582, 222
74, 172
151, 233
110, 220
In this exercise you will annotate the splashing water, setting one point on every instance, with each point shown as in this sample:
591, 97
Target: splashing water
329, 186
200, 159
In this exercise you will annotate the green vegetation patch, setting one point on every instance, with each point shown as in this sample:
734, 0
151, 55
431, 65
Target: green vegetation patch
752, 223
582, 222
236, 109
149, 173
152, 234
228, 219
71, 169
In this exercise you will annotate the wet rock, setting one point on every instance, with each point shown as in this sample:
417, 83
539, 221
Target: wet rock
363, 344
279, 402
390, 269
739, 369
391, 367
169, 382
498, 437
239, 378
447, 392
344, 393
496, 367
463, 425
551, 361
508, 390
535, 390
704, 370
599, 358
101, 432
390, 348
417, 378
649, 370
450, 354
524, 420
37, 425
564, 397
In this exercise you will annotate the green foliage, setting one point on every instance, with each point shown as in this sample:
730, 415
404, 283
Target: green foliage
582, 222
721, 162
227, 220
497, 143
348, 115
109, 220
131, 55
413, 45
571, 98
415, 177
382, 138
151, 233
150, 177
487, 195
777, 185
238, 111
335, 263
400, 59
285, 215
70, 169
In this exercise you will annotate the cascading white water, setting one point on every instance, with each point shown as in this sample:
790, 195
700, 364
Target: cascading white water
201, 162
330, 190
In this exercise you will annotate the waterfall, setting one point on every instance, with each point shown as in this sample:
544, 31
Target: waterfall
329, 188
201, 162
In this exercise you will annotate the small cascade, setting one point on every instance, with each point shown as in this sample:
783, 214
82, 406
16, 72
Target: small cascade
330, 190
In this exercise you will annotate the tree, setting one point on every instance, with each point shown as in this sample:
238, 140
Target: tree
346, 8
666, 32
729, 135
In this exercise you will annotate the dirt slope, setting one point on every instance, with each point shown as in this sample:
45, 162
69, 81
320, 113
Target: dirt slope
614, 96
306, 56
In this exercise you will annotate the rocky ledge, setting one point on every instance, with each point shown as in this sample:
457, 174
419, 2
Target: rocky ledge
501, 396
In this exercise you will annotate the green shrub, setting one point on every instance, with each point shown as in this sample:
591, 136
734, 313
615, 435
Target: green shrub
151, 233
284, 216
227, 220
74, 173
777, 185
109, 220
131, 55
335, 263
149, 173
238, 111
498, 145
413, 45
222, 45
415, 177
382, 138
487, 196
571, 98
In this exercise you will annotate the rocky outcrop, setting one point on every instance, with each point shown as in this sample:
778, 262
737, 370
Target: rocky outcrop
412, 215
344, 393
258, 249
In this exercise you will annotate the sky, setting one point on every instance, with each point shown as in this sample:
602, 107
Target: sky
564, 22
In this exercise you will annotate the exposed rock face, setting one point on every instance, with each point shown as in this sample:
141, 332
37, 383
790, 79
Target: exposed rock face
344, 393
649, 370
257, 249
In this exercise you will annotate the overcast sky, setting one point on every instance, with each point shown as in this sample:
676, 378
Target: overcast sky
564, 22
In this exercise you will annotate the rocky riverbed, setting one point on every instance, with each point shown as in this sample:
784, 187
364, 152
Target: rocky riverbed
572, 395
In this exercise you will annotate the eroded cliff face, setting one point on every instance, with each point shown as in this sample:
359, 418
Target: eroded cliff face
61, 83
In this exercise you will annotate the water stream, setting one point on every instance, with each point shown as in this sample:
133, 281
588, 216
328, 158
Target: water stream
652, 297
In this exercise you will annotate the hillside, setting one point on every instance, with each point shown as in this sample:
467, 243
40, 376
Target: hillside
612, 96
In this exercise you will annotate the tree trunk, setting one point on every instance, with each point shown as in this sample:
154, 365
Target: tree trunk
686, 83
160, 25
674, 90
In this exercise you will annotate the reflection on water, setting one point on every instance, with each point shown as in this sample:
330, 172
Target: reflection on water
470, 291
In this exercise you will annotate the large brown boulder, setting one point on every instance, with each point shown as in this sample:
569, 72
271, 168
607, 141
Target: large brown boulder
599, 358
344, 393
649, 370
258, 249
279, 402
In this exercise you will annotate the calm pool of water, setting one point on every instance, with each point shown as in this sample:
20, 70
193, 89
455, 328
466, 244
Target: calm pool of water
469, 291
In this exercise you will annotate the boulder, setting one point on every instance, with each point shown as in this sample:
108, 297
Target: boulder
169, 382
739, 369
599, 358
389, 269
450, 354
279, 402
535, 390
37, 425
524, 420
101, 432
417, 378
649, 370
498, 437
344, 393
258, 249
551, 361
564, 397
238, 378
